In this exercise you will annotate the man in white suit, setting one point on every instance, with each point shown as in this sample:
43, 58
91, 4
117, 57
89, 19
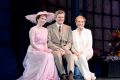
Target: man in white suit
82, 48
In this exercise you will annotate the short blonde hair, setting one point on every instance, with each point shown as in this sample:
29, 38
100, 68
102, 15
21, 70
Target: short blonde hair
80, 16
59, 12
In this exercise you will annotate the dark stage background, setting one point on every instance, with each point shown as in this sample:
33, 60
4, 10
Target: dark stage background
102, 18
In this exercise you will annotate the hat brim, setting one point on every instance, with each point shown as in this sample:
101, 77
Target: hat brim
32, 17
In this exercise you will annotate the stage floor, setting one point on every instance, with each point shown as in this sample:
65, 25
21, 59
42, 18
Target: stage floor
108, 79
103, 79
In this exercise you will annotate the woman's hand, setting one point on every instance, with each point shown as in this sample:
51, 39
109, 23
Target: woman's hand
47, 50
77, 54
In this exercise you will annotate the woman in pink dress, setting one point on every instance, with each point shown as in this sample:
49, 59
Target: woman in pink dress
39, 61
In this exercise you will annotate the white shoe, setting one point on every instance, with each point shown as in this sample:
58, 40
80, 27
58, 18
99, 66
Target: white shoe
93, 77
88, 78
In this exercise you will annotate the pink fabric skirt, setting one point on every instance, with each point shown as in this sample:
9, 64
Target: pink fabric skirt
39, 66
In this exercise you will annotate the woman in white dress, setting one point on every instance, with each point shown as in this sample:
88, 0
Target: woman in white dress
82, 48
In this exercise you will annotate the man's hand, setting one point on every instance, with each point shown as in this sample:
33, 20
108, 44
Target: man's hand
62, 51
65, 47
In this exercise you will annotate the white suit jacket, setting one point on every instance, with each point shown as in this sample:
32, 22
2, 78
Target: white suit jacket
82, 42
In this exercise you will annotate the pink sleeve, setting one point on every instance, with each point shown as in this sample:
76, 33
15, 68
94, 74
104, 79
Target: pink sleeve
32, 38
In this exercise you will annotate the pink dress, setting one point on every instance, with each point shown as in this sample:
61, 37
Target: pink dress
38, 64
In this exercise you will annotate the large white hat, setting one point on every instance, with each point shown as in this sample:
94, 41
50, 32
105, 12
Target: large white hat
32, 17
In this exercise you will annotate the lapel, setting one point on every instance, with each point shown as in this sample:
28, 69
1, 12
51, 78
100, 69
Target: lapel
64, 31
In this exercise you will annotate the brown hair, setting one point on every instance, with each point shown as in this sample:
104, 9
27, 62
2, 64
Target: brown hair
59, 12
38, 16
